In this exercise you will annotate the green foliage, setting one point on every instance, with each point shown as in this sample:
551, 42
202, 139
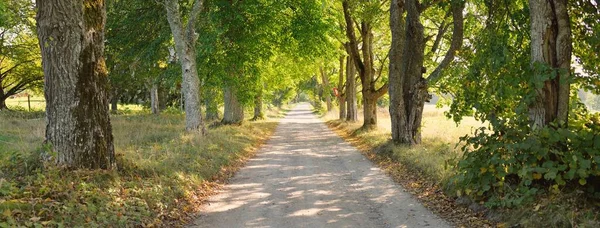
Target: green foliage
20, 59
512, 163
508, 163
585, 21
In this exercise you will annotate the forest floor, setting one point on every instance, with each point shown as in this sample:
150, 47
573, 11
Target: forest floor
307, 176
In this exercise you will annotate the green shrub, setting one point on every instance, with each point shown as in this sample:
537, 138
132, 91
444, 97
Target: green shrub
511, 163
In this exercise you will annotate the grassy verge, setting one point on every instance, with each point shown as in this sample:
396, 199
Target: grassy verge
424, 170
162, 178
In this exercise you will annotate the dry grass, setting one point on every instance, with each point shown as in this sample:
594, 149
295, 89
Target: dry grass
164, 173
422, 169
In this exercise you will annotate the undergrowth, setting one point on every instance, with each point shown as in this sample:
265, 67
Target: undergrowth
162, 176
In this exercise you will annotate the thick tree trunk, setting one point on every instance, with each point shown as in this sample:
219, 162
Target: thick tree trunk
550, 46
341, 90
154, 102
234, 111
351, 104
397, 106
408, 87
185, 47
326, 87
370, 113
71, 36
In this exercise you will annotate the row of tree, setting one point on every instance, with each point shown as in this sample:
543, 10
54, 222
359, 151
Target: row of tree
499, 60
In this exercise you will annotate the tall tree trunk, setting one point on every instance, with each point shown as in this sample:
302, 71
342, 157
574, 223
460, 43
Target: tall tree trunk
408, 87
364, 66
185, 47
397, 107
154, 102
351, 104
234, 111
71, 36
212, 107
326, 89
341, 90
114, 102
550, 46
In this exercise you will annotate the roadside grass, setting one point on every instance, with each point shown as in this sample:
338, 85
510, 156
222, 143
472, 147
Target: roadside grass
425, 169
163, 174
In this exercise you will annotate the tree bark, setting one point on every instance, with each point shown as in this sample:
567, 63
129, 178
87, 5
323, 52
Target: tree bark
550, 46
341, 90
71, 36
154, 102
185, 47
408, 87
397, 107
351, 104
234, 111
3, 97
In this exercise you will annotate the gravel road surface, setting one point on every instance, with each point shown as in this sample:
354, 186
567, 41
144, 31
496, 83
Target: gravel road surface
307, 176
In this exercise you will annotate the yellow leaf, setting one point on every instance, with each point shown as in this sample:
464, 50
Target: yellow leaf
483, 169
35, 219
537, 207
7, 213
537, 176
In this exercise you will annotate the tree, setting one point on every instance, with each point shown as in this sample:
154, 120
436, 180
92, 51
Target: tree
185, 47
20, 60
71, 36
365, 64
342, 90
326, 88
408, 87
551, 49
351, 104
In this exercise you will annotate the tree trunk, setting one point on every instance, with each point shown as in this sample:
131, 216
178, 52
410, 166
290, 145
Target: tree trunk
550, 46
351, 104
114, 103
397, 107
408, 88
3, 97
326, 89
258, 108
234, 111
341, 90
154, 102
365, 66
71, 36
185, 47
212, 107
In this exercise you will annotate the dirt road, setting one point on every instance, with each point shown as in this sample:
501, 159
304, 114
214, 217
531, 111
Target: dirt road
307, 176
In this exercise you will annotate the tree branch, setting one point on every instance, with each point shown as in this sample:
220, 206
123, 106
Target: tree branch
456, 43
353, 45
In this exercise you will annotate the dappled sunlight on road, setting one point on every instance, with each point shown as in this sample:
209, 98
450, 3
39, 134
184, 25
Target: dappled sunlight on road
306, 176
